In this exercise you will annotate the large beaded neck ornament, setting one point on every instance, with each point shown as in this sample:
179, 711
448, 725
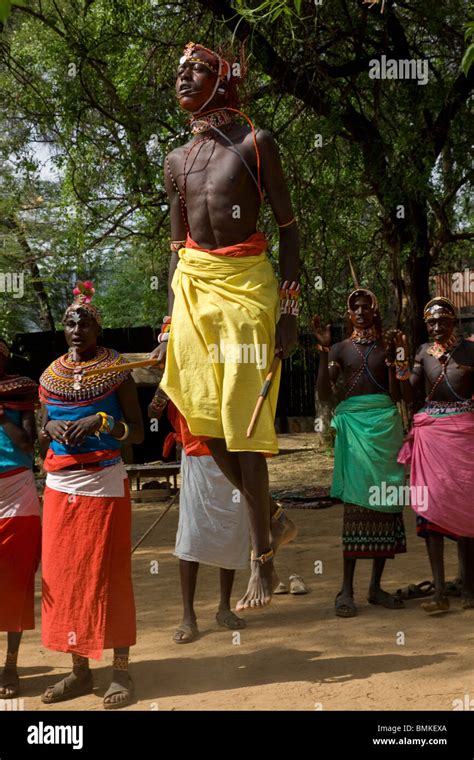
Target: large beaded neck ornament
221, 117
16, 392
68, 380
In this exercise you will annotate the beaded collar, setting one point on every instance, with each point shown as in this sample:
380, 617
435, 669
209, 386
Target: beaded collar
365, 336
439, 349
16, 383
17, 392
60, 379
217, 118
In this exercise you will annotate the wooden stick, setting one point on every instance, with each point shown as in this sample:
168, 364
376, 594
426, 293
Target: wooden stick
121, 367
263, 394
158, 519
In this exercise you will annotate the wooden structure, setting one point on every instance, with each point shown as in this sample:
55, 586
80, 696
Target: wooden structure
156, 470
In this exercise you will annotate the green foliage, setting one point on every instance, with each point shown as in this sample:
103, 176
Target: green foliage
468, 57
89, 88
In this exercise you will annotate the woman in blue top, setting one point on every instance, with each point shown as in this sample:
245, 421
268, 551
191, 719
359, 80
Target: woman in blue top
88, 603
20, 529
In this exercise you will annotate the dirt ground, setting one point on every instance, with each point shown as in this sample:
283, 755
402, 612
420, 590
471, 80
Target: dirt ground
294, 655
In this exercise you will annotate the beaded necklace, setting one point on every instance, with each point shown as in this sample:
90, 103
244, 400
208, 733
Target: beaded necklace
369, 335
11, 383
219, 118
17, 392
439, 349
61, 379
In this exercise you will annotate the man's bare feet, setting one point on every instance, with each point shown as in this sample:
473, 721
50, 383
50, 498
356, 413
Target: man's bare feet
260, 588
282, 530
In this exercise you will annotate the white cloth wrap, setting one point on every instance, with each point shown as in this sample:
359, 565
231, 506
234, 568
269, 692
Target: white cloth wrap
103, 481
213, 519
18, 495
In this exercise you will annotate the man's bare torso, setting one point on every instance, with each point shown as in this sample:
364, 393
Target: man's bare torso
222, 199
351, 360
459, 371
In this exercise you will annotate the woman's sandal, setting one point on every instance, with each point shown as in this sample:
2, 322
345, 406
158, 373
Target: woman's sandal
415, 591
390, 602
228, 619
297, 585
345, 606
68, 689
185, 634
117, 688
9, 680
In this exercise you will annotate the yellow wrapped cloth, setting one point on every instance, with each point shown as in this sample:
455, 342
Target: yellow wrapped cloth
221, 346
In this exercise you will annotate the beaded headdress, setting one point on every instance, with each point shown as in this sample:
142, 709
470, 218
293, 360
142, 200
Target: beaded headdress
218, 65
439, 307
363, 292
83, 293
225, 72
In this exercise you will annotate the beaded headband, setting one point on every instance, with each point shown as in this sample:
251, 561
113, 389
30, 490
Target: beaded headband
221, 67
363, 292
83, 293
436, 309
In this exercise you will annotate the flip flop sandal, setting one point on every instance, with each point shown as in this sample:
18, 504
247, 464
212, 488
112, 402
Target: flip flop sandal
281, 589
415, 591
349, 605
63, 690
117, 688
390, 602
297, 585
11, 682
191, 633
229, 620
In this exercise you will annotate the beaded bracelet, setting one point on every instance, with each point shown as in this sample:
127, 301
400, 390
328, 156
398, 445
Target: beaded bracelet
289, 295
165, 330
403, 372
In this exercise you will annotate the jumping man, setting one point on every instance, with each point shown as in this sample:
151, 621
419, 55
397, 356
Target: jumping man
228, 317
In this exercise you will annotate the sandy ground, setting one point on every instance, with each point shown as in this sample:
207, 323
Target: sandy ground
294, 655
